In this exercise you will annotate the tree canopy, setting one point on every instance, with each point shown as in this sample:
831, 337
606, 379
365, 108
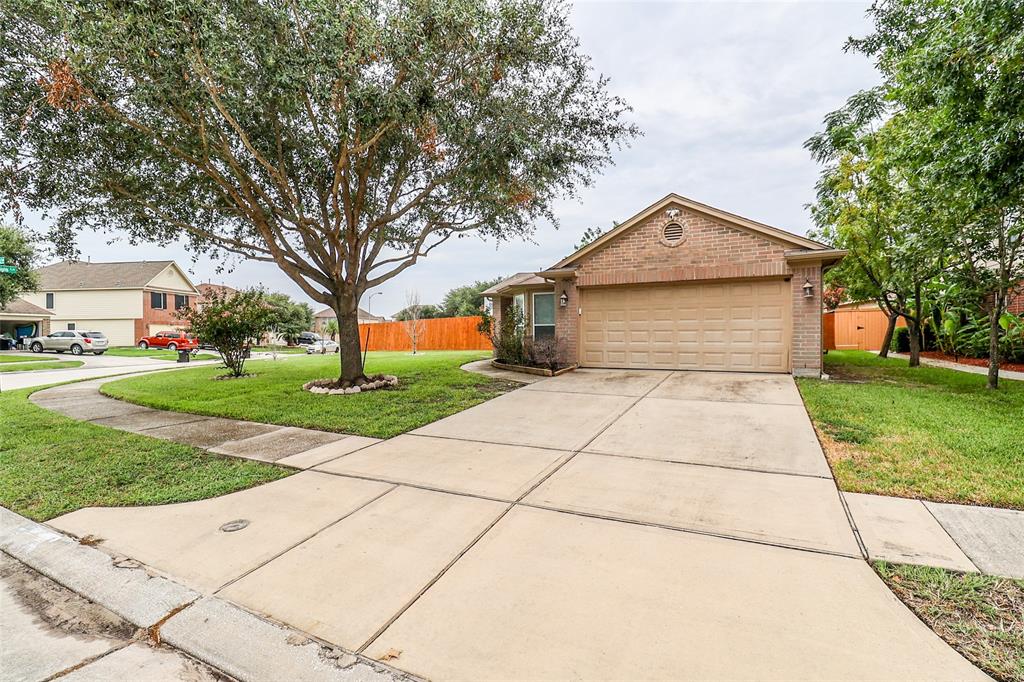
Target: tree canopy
288, 318
934, 155
466, 300
340, 141
17, 252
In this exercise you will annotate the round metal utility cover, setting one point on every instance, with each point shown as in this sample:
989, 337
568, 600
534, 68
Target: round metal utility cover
232, 526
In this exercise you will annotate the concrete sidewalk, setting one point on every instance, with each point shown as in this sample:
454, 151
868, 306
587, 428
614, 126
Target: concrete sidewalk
954, 536
285, 445
597, 525
73, 612
961, 367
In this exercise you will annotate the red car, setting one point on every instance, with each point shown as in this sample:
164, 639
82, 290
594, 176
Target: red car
173, 340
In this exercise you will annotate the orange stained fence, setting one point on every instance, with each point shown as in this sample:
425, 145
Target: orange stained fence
444, 333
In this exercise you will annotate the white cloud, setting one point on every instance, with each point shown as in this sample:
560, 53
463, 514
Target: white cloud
726, 94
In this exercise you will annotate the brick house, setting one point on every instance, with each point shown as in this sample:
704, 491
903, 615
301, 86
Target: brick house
124, 300
321, 319
681, 285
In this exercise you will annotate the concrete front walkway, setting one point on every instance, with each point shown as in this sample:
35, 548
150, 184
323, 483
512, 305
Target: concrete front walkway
961, 367
597, 525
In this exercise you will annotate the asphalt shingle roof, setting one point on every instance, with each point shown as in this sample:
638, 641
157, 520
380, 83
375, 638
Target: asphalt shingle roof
85, 275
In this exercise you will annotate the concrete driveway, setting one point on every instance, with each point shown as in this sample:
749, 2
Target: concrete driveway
598, 525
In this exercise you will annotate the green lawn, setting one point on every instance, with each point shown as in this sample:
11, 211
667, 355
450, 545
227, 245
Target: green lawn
980, 616
18, 358
133, 352
52, 465
926, 432
46, 364
282, 350
431, 386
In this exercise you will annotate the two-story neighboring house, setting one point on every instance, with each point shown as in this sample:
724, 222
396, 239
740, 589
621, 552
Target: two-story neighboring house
125, 300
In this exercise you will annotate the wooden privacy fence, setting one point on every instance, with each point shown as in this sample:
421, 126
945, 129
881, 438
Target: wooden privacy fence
444, 333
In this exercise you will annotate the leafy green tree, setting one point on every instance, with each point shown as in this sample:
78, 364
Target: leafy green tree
419, 311
231, 323
591, 234
17, 251
953, 76
331, 328
864, 205
468, 300
341, 141
289, 318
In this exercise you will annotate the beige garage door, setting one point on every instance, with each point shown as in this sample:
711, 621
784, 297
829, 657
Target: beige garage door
737, 326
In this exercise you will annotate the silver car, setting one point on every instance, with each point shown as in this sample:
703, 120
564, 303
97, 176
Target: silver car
73, 340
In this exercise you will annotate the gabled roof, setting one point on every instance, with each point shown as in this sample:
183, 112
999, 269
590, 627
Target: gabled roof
774, 233
71, 275
520, 279
328, 314
20, 306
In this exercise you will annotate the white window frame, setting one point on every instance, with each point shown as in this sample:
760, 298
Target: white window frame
533, 317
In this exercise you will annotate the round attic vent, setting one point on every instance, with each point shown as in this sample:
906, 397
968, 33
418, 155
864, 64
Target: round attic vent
672, 234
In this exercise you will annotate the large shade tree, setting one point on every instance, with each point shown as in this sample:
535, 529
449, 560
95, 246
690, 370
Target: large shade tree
342, 141
866, 205
953, 74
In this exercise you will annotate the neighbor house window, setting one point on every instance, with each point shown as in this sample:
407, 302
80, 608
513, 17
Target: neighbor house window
49, 301
157, 300
180, 301
544, 316
71, 326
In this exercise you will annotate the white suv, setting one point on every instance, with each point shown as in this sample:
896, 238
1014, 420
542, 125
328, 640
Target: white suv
73, 340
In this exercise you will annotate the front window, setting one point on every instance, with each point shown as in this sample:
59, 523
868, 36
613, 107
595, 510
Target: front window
157, 300
544, 316
180, 301
71, 326
49, 301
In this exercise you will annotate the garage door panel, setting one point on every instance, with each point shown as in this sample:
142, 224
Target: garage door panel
721, 326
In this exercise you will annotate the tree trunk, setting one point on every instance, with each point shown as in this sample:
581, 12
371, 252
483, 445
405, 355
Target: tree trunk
914, 335
349, 348
993, 344
890, 329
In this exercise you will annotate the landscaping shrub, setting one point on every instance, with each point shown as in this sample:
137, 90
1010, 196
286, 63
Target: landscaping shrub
545, 353
231, 323
507, 338
900, 340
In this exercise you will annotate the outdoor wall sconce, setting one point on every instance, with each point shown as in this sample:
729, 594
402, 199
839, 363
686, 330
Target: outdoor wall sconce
808, 289
563, 300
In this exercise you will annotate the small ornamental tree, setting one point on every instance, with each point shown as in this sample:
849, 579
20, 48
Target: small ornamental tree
412, 322
331, 328
341, 141
231, 324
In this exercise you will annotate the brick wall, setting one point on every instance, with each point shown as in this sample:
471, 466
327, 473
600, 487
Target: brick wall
805, 353
710, 250
151, 315
1015, 303
567, 320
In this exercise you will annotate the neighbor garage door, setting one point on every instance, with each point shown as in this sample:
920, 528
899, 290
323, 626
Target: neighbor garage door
738, 326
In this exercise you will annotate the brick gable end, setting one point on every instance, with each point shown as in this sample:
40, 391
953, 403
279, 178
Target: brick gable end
711, 250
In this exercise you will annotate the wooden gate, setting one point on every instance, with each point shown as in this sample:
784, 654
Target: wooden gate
857, 327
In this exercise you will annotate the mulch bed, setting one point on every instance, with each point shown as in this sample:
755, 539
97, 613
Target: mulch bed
976, 362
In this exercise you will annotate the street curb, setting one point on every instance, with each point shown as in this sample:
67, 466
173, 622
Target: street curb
250, 648
210, 629
128, 590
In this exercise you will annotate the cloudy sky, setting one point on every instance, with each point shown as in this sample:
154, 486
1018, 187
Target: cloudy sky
725, 93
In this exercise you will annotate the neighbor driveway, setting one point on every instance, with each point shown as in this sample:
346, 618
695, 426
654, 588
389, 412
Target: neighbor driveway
598, 525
